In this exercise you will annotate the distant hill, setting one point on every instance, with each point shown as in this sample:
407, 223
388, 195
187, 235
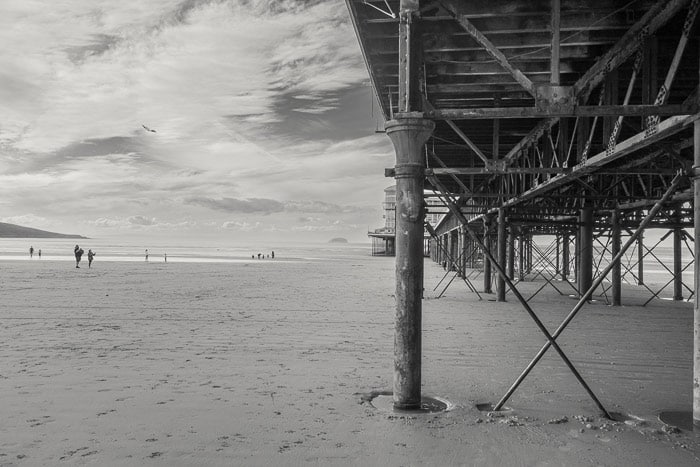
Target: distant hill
17, 231
338, 240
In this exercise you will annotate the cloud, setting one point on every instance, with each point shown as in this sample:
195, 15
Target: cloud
260, 108
251, 205
241, 226
268, 206
141, 220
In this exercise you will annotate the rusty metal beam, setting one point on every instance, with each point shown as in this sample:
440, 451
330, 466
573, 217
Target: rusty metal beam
577, 111
452, 8
495, 170
654, 18
666, 128
469, 142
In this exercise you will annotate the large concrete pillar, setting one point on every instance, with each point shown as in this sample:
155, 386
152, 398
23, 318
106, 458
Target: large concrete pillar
408, 133
585, 250
696, 301
500, 281
616, 272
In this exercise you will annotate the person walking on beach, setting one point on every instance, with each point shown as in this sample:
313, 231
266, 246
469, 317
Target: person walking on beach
146, 254
31, 252
165, 257
91, 255
78, 255
273, 254
39, 253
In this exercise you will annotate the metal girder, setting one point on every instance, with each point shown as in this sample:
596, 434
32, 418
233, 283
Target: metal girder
666, 128
452, 8
575, 111
495, 170
655, 17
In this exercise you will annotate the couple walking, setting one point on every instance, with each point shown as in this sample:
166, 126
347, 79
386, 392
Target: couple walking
79, 254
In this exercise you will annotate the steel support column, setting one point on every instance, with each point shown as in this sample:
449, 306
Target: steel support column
565, 256
678, 259
696, 301
640, 259
511, 252
487, 263
408, 133
521, 255
616, 272
500, 280
585, 250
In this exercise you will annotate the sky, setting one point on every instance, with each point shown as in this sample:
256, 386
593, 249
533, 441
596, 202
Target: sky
262, 110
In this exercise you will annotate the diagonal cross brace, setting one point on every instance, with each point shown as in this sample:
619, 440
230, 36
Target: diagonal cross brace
499, 268
460, 270
586, 296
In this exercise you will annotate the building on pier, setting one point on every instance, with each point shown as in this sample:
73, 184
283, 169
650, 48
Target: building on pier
384, 238
575, 122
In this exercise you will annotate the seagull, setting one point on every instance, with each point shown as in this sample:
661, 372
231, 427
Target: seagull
147, 129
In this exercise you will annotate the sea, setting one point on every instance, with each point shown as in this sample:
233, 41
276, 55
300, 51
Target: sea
119, 249
657, 265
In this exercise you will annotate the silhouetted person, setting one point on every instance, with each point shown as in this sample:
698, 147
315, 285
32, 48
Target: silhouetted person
258, 255
273, 255
39, 253
31, 252
78, 255
146, 255
165, 257
91, 255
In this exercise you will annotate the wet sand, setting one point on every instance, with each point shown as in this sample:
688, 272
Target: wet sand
267, 363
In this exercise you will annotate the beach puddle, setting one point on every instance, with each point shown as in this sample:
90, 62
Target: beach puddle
678, 418
385, 402
489, 408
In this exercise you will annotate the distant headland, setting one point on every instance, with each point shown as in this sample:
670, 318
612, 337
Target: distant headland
17, 231
338, 240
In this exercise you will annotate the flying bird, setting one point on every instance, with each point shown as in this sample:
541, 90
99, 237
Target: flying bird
147, 129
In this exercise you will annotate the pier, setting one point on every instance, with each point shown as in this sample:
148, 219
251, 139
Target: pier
562, 141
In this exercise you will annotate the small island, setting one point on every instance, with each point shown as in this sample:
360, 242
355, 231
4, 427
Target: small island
338, 240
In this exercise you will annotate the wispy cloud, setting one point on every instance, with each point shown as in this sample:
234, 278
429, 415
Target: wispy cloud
259, 107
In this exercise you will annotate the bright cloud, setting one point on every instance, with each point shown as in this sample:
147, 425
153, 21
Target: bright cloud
259, 108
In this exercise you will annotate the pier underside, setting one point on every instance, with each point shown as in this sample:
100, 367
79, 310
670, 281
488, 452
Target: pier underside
562, 138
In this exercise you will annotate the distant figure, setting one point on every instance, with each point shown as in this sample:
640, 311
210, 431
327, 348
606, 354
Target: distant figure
259, 255
91, 255
252, 256
31, 252
78, 254
273, 255
146, 255
165, 257
39, 253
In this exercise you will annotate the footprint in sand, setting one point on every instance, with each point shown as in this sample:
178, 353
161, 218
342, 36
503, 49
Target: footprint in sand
73, 452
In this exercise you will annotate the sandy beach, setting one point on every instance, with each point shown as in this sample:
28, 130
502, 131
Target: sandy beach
273, 363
